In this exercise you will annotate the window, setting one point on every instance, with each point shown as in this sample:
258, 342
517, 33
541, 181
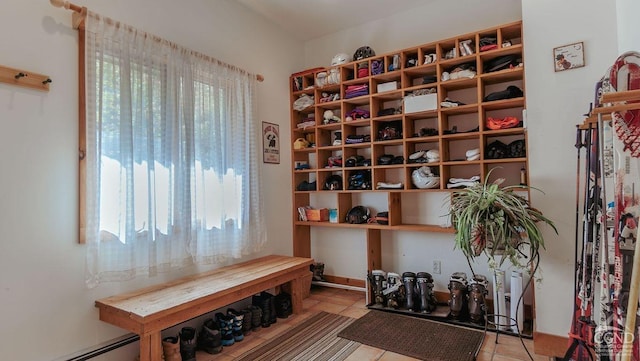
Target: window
172, 149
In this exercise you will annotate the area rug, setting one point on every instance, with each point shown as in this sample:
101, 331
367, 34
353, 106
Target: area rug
314, 339
415, 337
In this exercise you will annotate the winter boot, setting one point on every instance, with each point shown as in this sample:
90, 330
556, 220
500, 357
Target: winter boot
409, 280
458, 295
246, 321
210, 338
378, 282
237, 319
283, 305
225, 323
264, 301
428, 300
318, 271
256, 317
188, 344
171, 349
478, 290
392, 292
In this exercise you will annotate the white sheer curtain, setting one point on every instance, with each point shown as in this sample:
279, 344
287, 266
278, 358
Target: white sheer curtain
172, 160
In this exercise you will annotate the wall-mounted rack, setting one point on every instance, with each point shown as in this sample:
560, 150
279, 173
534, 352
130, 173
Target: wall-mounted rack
24, 78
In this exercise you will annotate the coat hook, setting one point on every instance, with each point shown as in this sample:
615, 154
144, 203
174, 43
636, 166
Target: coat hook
47, 81
20, 75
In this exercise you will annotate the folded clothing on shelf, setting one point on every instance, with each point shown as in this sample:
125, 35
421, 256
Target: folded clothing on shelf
463, 182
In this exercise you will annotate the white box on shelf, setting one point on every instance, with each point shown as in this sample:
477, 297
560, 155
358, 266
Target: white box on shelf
420, 103
385, 87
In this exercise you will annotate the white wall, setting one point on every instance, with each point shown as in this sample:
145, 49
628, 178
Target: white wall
555, 103
628, 39
46, 311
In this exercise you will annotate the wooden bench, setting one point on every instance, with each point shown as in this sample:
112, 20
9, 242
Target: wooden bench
148, 311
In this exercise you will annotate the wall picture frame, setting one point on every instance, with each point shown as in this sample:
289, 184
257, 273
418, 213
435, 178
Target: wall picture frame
568, 56
270, 143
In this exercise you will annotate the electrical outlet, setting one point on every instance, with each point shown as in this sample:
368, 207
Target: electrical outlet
436, 267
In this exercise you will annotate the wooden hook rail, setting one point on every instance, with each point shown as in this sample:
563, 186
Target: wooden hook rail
24, 78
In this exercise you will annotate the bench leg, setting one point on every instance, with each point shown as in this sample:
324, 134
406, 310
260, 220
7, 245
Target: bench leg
151, 347
296, 295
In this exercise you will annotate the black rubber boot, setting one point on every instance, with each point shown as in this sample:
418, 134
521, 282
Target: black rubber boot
210, 338
225, 323
409, 281
428, 300
188, 344
478, 290
458, 295
318, 271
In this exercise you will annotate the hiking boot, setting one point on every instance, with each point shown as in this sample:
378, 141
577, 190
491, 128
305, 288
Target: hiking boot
171, 349
318, 270
225, 324
210, 338
237, 319
283, 305
246, 321
409, 281
188, 344
428, 300
458, 295
478, 290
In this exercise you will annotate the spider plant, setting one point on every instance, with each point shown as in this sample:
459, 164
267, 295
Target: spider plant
497, 220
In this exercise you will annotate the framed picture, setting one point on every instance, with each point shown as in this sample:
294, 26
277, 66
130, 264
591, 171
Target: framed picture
568, 56
270, 143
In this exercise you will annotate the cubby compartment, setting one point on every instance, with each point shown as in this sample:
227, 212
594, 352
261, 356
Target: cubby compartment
428, 54
460, 123
461, 149
421, 125
410, 58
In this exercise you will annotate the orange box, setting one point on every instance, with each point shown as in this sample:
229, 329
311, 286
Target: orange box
318, 215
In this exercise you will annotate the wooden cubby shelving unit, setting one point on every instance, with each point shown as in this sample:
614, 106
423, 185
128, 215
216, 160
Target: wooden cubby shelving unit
451, 147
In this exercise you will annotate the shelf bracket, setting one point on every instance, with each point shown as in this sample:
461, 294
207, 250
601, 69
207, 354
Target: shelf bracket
24, 78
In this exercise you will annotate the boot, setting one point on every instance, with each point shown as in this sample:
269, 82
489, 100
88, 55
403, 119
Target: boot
272, 308
392, 292
225, 323
210, 338
283, 305
256, 317
237, 319
409, 280
264, 300
246, 321
378, 281
458, 295
188, 344
318, 271
478, 290
171, 349
428, 300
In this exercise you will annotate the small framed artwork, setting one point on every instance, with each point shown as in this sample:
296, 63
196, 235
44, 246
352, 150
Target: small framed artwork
569, 56
270, 143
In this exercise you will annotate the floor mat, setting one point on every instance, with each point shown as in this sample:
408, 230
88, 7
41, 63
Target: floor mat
415, 337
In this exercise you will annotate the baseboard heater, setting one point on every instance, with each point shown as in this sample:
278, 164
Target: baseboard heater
100, 349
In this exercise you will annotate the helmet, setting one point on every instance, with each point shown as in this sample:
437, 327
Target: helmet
360, 179
496, 150
340, 58
333, 183
423, 178
385, 159
363, 52
357, 215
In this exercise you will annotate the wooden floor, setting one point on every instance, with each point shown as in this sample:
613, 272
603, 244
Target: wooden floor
352, 304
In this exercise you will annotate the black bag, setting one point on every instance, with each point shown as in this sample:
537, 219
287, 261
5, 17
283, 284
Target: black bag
283, 305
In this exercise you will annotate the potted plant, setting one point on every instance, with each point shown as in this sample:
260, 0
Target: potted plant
495, 221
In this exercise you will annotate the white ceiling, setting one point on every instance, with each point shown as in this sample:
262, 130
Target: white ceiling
310, 19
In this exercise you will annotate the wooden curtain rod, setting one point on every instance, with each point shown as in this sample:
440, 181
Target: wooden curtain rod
79, 9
